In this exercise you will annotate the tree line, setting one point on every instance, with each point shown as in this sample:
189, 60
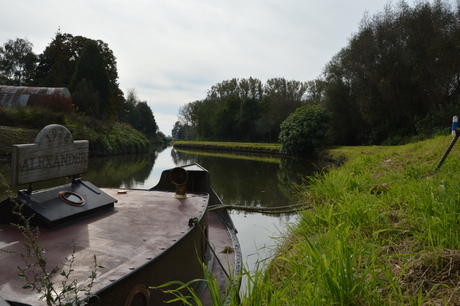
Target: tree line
241, 110
87, 67
398, 77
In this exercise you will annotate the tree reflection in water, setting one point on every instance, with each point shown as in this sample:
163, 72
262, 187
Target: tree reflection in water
252, 180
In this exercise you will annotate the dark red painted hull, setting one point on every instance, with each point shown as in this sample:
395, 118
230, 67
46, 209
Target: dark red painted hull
146, 240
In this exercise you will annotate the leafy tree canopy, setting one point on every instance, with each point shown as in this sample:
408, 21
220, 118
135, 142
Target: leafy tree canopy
91, 70
58, 63
400, 67
17, 62
243, 109
138, 114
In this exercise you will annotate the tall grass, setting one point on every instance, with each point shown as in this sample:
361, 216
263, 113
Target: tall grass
384, 230
186, 295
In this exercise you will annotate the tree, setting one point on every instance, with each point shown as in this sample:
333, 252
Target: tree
91, 69
181, 131
58, 62
130, 114
346, 125
401, 67
243, 109
148, 124
315, 91
282, 98
138, 114
304, 130
224, 122
17, 62
86, 98
176, 131
247, 117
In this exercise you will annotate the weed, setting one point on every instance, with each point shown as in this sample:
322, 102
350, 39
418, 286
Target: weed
40, 278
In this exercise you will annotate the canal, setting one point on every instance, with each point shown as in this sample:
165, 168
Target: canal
239, 180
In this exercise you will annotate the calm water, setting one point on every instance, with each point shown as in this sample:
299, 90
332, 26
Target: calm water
238, 180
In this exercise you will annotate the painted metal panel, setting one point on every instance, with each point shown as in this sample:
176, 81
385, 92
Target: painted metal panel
17, 96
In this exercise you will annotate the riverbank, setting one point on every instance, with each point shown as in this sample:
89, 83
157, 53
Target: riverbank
382, 229
262, 148
115, 139
13, 135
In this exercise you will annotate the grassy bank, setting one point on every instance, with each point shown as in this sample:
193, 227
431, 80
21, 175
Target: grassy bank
233, 155
110, 139
12, 135
105, 138
382, 229
269, 148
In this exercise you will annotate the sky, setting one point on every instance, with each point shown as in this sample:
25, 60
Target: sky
173, 51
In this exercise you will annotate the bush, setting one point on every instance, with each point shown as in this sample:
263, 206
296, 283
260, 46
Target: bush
304, 130
30, 117
109, 138
57, 104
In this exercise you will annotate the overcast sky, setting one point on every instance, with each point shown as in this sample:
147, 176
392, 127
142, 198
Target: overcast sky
173, 51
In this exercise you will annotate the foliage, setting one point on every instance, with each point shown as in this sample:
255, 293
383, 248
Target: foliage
58, 103
398, 77
30, 117
11, 136
148, 125
90, 69
128, 113
182, 131
17, 62
86, 99
283, 98
383, 230
242, 110
105, 138
401, 66
184, 293
271, 148
38, 276
304, 130
138, 114
58, 63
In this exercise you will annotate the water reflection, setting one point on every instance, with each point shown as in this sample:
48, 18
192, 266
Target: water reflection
250, 180
240, 180
128, 171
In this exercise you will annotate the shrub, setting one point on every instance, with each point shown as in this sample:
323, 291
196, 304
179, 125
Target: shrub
304, 130
30, 117
57, 103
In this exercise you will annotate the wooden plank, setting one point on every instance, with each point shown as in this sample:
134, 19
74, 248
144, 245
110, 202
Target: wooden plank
54, 154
